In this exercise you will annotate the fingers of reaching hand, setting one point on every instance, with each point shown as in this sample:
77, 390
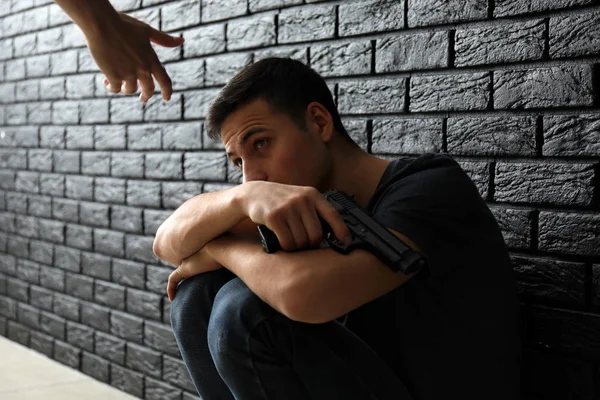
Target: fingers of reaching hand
174, 278
129, 86
147, 85
161, 76
113, 85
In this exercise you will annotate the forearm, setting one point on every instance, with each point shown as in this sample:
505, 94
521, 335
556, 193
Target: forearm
90, 15
196, 222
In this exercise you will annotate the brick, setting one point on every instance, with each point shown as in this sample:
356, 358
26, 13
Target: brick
370, 16
126, 109
28, 316
479, 172
516, 226
514, 42
575, 35
554, 281
492, 136
182, 136
110, 137
569, 233
17, 289
7, 180
67, 258
67, 354
80, 335
126, 326
158, 110
7, 93
79, 237
15, 70
109, 190
110, 347
255, 31
127, 381
139, 248
129, 273
79, 286
180, 15
27, 91
221, 68
213, 10
144, 304
506, 8
52, 278
41, 343
205, 165
40, 298
127, 165
27, 182
430, 12
197, 102
153, 219
52, 231
128, 219
42, 252
95, 163
13, 159
407, 136
65, 112
86, 62
341, 59
24, 45
176, 373
175, 193
568, 135
143, 360
80, 86
65, 209
156, 390
95, 265
109, 294
39, 113
411, 52
204, 40
144, 137
565, 184
565, 86
52, 88
95, 367
371, 96
109, 242
18, 333
28, 271
6, 49
160, 337
38, 66
94, 214
64, 62
52, 325
80, 137
306, 23
18, 246
66, 307
52, 137
94, 111
293, 52
9, 307
449, 92
16, 114
52, 184
98, 317
79, 187
143, 193
164, 165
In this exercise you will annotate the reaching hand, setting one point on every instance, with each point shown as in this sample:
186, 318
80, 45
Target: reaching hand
292, 213
125, 56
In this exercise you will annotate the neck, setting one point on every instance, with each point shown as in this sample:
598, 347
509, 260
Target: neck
356, 172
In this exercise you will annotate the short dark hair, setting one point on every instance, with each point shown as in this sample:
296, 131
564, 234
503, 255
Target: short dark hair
289, 86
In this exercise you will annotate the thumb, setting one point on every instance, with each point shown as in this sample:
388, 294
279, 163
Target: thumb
164, 39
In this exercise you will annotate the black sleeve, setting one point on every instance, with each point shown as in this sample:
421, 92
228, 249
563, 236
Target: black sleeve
437, 206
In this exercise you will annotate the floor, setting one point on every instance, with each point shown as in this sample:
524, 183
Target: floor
26, 375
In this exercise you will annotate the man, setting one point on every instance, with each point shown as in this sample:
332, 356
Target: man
308, 322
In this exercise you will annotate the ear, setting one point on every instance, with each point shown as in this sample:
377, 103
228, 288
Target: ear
319, 121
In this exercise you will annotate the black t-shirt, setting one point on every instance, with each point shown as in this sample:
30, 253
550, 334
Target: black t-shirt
452, 330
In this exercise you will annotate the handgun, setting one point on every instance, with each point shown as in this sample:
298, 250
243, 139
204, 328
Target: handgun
366, 232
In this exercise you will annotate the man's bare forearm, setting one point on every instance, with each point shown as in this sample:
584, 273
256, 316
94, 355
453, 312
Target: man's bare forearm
91, 15
196, 222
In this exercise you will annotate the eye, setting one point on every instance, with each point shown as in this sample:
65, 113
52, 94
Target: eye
260, 143
237, 162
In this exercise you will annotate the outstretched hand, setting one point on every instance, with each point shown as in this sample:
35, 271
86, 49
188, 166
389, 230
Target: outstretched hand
126, 57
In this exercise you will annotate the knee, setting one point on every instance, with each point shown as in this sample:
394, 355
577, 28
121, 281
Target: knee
194, 299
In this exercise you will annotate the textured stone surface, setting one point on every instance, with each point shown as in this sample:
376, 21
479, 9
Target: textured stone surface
179, 14
371, 96
306, 24
567, 86
256, 31
196, 103
516, 226
205, 165
204, 40
493, 136
575, 35
479, 172
434, 12
144, 360
409, 52
449, 92
186, 74
370, 16
565, 184
127, 380
220, 69
404, 136
512, 42
342, 59
221, 9
571, 135
569, 233
505, 8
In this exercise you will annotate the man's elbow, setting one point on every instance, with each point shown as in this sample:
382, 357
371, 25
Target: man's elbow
297, 305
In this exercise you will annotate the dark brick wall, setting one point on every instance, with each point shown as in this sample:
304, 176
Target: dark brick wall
508, 87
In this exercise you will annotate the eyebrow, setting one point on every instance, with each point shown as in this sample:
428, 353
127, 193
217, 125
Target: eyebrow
247, 135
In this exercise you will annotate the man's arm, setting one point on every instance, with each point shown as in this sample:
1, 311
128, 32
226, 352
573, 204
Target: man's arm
313, 286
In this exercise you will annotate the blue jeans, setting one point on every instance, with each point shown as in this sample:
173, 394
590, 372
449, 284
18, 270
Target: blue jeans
235, 346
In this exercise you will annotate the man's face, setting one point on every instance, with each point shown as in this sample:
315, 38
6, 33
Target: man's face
269, 146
